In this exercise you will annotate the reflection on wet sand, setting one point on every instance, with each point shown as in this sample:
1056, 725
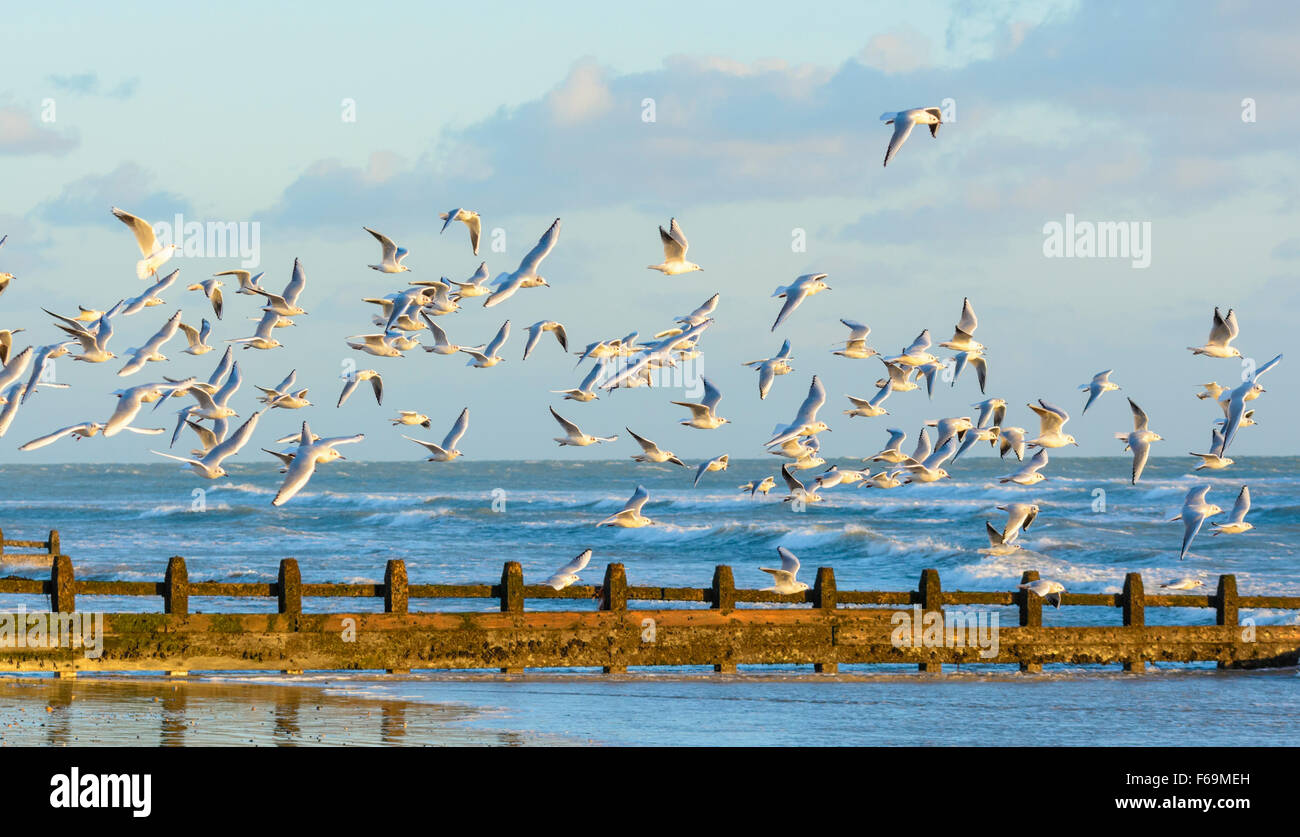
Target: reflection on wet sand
172, 712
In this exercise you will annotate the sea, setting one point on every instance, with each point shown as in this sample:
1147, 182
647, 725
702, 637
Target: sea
459, 522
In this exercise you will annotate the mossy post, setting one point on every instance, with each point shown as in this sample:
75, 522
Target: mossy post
176, 587
396, 595
825, 597
613, 596
1031, 614
1225, 607
2, 546
63, 597
931, 596
724, 600
512, 598
1135, 614
396, 589
52, 545
288, 588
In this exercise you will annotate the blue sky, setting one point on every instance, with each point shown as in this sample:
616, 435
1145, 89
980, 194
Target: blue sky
766, 121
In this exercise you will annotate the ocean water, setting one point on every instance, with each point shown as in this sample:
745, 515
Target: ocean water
458, 523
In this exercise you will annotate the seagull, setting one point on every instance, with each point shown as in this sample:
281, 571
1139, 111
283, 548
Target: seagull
1237, 399
1213, 460
568, 574
697, 316
441, 345
212, 290
803, 452
885, 479
197, 338
311, 450
716, 464
474, 286
704, 415
856, 346
149, 351
999, 544
899, 376
869, 408
574, 436
1139, 441
970, 357
12, 400
675, 245
209, 465
892, 452
486, 357
262, 338
930, 370
1020, 516
44, 355
916, 354
798, 493
469, 218
630, 517
1237, 520
1100, 384
784, 578
1194, 513
805, 421
150, 297
286, 303
762, 486
1029, 474
978, 434
94, 343
963, 338
949, 428
247, 281
834, 476
355, 378
1049, 590
1012, 439
796, 292
447, 451
1050, 421
651, 452
770, 367
657, 354
1184, 584
7, 343
410, 417
5, 278
903, 121
526, 274
538, 328
931, 468
1222, 332
585, 391
154, 255
129, 402
1212, 391
84, 430
391, 262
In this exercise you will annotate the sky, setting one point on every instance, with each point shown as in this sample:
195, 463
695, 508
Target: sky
1180, 117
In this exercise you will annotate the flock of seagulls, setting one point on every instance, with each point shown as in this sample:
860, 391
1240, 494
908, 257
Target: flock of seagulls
405, 320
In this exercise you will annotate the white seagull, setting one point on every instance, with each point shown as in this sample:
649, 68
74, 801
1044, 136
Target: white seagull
469, 218
447, 451
675, 246
568, 574
154, 255
1237, 520
630, 517
391, 261
575, 437
526, 274
903, 121
784, 578
796, 292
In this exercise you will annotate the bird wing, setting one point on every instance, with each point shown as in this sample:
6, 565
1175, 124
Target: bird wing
458, 429
530, 263
144, 236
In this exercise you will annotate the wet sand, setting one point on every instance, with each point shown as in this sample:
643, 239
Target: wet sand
170, 712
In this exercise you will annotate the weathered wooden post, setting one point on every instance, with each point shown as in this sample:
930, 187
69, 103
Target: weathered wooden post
52, 545
289, 588
176, 587
613, 596
826, 598
931, 602
396, 588
176, 595
724, 600
1031, 614
396, 595
289, 595
1135, 616
512, 599
63, 597
1225, 612
2, 546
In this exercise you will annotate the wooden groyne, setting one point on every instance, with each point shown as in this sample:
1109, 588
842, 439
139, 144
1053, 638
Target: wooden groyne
48, 549
824, 627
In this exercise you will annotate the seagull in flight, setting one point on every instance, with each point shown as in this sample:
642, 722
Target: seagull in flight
575, 437
568, 574
1194, 514
1099, 385
675, 246
651, 452
704, 415
447, 451
154, 254
391, 261
769, 368
630, 517
526, 274
1237, 520
1139, 441
1223, 331
903, 121
469, 218
796, 292
784, 580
